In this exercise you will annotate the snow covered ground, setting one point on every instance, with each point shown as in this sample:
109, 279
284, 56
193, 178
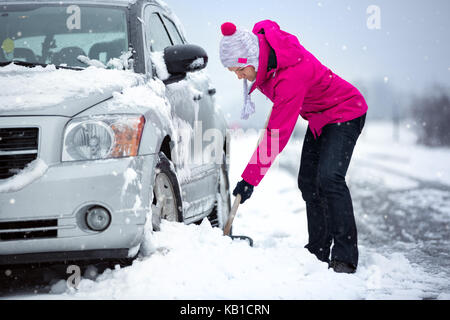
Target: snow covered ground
402, 206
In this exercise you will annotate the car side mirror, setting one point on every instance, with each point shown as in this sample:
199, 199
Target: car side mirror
181, 59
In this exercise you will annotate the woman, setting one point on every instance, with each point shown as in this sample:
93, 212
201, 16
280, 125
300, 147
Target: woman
298, 84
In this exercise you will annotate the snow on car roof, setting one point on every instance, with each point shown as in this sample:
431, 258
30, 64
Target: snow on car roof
172, 16
106, 2
70, 1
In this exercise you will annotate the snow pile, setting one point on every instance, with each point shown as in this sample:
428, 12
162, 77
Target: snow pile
197, 262
124, 62
138, 99
33, 171
38, 87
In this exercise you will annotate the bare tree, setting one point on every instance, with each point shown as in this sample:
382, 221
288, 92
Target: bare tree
432, 114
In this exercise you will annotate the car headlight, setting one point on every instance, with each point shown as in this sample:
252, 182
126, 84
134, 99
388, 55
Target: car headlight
102, 137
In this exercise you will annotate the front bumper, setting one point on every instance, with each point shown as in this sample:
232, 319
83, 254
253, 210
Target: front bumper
64, 257
62, 194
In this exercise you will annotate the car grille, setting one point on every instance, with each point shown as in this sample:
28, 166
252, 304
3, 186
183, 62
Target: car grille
18, 147
23, 230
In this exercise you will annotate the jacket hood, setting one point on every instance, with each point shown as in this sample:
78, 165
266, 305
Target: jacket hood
288, 49
47, 91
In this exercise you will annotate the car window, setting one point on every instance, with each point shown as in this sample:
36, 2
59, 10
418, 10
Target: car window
68, 32
158, 36
173, 31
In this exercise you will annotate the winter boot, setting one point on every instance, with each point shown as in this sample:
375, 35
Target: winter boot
342, 267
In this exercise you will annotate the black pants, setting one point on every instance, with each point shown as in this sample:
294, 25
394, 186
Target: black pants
321, 179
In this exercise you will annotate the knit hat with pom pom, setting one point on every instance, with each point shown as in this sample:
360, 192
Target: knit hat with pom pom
240, 48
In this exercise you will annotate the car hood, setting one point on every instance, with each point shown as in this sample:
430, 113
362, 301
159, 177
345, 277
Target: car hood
45, 91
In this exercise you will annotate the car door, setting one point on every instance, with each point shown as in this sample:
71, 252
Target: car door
208, 139
185, 101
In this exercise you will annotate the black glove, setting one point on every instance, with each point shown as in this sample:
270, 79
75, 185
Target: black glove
245, 189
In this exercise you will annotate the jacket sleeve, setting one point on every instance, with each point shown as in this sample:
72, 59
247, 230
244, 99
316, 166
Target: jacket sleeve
281, 124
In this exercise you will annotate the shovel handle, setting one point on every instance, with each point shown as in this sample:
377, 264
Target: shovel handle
237, 202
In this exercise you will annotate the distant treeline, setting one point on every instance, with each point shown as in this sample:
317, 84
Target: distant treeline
432, 114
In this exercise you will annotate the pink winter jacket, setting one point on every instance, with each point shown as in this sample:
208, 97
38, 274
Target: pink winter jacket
300, 85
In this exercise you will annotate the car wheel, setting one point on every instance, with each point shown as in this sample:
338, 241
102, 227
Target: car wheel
167, 203
221, 211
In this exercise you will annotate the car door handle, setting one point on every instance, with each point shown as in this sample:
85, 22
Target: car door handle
212, 92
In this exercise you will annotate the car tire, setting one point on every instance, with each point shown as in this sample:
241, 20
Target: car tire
221, 211
166, 204
167, 201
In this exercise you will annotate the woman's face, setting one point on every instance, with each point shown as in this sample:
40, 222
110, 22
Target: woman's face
247, 73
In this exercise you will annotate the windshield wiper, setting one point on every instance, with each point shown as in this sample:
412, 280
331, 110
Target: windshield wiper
34, 64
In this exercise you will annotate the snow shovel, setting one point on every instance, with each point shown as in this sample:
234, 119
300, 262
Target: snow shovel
237, 201
227, 229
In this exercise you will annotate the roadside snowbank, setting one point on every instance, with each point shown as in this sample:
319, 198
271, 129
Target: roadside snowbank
377, 146
197, 262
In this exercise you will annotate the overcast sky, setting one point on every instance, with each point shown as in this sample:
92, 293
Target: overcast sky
410, 50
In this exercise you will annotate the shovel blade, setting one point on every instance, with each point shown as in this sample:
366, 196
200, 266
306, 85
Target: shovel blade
243, 238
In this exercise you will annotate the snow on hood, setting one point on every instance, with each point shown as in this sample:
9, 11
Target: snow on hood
51, 91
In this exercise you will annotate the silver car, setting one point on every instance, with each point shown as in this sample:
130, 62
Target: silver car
82, 176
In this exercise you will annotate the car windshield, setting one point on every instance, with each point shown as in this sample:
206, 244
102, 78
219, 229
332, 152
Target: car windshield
60, 34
